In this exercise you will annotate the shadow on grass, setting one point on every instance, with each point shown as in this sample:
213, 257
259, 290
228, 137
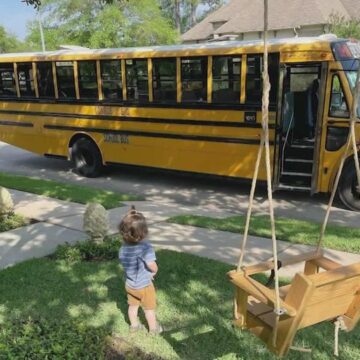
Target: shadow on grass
195, 307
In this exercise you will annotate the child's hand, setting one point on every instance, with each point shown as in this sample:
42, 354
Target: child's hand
152, 266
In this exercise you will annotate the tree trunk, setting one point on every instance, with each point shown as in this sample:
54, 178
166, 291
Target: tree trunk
193, 8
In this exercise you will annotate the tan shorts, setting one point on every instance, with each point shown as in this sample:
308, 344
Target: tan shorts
146, 297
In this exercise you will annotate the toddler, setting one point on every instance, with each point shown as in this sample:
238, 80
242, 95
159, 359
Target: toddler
138, 258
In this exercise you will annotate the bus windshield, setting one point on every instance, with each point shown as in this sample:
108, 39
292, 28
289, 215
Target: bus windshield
351, 76
348, 52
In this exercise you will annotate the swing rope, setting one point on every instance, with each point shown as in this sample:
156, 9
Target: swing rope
264, 142
351, 140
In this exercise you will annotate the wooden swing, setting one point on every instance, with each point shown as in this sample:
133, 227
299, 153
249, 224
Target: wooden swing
275, 315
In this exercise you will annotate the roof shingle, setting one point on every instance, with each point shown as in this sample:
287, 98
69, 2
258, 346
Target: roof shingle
241, 16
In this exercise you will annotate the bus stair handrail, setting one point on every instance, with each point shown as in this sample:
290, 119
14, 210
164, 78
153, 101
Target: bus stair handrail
285, 143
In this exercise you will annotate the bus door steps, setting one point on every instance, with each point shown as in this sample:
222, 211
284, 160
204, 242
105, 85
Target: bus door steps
296, 172
293, 188
298, 165
303, 152
295, 179
291, 173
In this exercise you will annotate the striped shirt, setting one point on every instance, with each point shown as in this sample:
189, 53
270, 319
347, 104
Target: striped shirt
133, 259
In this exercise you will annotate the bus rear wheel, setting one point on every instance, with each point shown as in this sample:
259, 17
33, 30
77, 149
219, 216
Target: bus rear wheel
87, 158
349, 190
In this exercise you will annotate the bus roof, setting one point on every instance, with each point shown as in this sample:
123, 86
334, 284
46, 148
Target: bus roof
321, 43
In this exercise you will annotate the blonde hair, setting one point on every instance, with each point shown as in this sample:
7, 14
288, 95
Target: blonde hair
132, 227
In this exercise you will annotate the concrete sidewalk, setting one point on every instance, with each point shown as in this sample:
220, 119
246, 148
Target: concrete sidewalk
61, 221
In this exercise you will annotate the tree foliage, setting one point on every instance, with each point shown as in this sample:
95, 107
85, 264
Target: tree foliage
115, 23
34, 3
344, 28
184, 14
98, 24
37, 3
8, 42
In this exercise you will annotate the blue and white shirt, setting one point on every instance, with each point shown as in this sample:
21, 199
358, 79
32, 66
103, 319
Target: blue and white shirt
134, 258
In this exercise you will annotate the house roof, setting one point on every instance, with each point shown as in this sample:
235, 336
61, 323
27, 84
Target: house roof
241, 16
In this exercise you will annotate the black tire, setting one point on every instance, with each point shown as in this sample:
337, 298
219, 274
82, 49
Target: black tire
87, 158
348, 191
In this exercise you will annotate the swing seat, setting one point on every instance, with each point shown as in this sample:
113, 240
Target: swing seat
311, 298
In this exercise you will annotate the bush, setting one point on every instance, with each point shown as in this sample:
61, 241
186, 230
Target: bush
89, 251
96, 222
11, 221
6, 202
44, 339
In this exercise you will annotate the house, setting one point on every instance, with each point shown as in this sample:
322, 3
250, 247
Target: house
243, 19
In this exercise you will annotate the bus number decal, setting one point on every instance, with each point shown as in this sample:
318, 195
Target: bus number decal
250, 117
116, 138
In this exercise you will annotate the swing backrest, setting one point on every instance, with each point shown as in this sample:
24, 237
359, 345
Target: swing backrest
311, 298
335, 293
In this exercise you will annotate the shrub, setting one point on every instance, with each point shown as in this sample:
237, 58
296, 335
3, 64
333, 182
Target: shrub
89, 251
6, 202
44, 339
11, 221
96, 222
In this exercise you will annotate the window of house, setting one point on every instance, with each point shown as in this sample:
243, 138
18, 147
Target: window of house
254, 78
226, 74
338, 105
194, 79
45, 80
137, 85
26, 79
88, 86
111, 79
7, 81
164, 80
65, 79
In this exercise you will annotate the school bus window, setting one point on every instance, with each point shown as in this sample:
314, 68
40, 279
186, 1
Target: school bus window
303, 77
226, 79
254, 78
111, 79
65, 79
45, 80
164, 80
137, 86
26, 79
7, 81
194, 79
338, 105
274, 60
88, 85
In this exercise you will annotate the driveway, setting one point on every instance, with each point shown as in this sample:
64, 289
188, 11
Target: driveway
191, 190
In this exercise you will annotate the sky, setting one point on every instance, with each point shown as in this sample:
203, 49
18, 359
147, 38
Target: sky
14, 16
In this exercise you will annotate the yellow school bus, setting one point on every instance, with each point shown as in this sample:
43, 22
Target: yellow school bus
193, 108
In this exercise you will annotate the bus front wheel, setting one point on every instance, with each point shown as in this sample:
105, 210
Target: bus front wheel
87, 158
349, 190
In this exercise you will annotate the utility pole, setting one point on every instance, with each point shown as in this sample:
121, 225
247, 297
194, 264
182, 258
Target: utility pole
41, 31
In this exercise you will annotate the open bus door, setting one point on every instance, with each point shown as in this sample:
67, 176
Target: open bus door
300, 119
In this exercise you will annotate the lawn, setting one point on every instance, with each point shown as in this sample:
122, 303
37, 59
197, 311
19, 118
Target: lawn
295, 231
69, 192
58, 309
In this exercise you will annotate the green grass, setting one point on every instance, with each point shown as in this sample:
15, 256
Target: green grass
195, 307
63, 191
11, 222
295, 231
